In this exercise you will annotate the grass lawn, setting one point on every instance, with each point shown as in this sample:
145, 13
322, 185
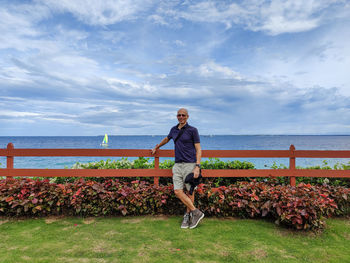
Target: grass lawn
160, 239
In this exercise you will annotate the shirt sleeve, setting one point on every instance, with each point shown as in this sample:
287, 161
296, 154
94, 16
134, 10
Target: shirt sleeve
196, 138
170, 135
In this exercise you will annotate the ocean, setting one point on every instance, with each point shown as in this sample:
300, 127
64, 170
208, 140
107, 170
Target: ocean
208, 142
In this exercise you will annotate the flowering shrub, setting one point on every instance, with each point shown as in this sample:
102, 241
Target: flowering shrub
301, 207
30, 197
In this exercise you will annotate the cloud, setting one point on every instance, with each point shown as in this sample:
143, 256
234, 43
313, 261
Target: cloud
76, 69
316, 59
100, 13
18, 24
213, 69
233, 107
273, 17
180, 43
157, 19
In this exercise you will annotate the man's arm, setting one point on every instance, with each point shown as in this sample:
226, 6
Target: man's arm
164, 141
198, 157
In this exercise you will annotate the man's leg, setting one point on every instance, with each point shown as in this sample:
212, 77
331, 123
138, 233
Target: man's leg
192, 200
195, 214
186, 200
180, 172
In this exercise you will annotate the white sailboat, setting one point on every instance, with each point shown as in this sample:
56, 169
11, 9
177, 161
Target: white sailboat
105, 141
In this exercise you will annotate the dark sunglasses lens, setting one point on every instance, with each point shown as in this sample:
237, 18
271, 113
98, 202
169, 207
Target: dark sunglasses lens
181, 115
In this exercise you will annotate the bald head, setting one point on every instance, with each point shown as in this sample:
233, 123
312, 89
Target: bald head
183, 111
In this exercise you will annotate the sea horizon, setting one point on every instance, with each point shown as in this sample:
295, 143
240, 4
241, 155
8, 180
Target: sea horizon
165, 135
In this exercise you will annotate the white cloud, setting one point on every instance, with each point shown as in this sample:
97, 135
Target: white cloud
279, 17
18, 114
100, 12
58, 69
179, 43
278, 24
212, 69
16, 26
273, 17
20, 19
60, 76
321, 60
130, 88
112, 36
157, 19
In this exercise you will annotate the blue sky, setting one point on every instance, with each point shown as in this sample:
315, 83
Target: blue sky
125, 67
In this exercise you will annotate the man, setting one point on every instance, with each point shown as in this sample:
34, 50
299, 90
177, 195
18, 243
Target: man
188, 155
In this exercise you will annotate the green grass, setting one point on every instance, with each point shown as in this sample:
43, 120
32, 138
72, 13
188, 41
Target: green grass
160, 239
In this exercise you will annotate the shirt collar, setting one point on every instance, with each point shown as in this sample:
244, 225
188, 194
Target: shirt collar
184, 127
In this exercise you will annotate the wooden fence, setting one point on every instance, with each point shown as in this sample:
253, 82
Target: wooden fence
10, 152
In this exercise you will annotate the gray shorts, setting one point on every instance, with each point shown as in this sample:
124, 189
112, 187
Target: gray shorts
180, 171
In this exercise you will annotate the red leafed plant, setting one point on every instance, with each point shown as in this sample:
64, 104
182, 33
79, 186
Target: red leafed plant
301, 207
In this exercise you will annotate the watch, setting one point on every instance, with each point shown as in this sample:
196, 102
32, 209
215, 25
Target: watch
198, 165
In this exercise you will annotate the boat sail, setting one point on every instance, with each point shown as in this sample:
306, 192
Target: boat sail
105, 140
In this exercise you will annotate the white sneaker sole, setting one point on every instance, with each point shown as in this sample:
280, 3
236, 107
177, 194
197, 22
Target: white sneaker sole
191, 227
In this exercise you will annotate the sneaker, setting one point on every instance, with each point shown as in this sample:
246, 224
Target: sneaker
186, 221
197, 216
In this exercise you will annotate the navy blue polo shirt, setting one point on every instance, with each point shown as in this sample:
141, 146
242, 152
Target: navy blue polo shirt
184, 146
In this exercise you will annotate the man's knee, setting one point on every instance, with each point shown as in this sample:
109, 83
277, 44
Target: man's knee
178, 192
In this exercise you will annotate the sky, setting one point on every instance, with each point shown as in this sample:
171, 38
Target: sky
124, 67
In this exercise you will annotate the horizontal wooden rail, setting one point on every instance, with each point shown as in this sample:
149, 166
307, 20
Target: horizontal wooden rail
322, 154
168, 173
10, 152
170, 153
86, 172
143, 153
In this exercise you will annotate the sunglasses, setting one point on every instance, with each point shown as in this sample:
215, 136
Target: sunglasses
181, 115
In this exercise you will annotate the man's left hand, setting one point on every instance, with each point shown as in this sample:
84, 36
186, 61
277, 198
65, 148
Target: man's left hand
196, 172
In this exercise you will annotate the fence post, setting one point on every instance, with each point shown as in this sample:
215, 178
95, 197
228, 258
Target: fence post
156, 167
292, 180
9, 157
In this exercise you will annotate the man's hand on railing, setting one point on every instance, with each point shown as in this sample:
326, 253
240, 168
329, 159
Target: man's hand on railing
154, 150
164, 141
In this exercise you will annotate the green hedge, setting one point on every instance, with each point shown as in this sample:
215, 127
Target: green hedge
211, 163
315, 180
145, 163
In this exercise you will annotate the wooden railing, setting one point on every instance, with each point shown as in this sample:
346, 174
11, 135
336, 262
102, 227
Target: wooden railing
10, 152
